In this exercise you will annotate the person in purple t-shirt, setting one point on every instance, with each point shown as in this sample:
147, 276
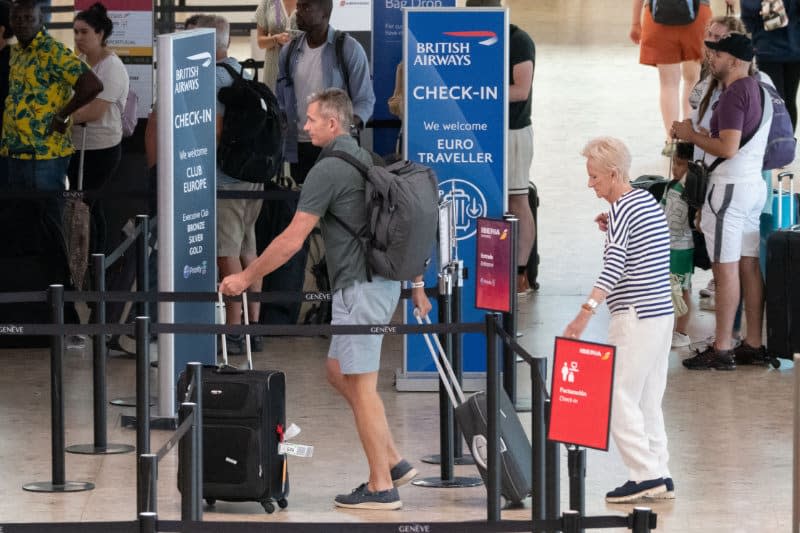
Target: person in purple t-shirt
736, 194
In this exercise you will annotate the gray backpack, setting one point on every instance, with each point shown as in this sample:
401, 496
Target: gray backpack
403, 217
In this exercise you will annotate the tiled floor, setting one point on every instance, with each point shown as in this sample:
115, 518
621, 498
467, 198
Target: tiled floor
730, 433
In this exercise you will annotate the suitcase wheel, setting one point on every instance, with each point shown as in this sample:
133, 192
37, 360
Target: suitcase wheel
268, 507
282, 503
211, 502
775, 362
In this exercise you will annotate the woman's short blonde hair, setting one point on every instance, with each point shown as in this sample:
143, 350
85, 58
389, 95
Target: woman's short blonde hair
610, 153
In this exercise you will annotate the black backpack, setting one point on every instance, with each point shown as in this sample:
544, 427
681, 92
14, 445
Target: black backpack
674, 12
251, 144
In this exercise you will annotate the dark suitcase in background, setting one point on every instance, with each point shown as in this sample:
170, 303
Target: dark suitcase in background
472, 416
244, 416
532, 269
783, 292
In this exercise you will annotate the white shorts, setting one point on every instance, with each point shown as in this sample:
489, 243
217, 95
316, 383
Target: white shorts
520, 158
363, 303
730, 220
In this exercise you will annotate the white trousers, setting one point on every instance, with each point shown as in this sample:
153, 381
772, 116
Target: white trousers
640, 377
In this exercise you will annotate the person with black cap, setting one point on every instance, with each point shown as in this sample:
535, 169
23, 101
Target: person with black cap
736, 194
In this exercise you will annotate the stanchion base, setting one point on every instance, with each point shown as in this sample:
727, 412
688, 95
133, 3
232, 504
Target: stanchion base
108, 449
169, 423
68, 486
456, 483
129, 401
459, 461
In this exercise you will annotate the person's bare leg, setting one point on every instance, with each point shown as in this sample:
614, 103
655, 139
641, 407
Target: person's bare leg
518, 206
753, 288
373, 428
727, 293
682, 322
669, 79
690, 72
340, 383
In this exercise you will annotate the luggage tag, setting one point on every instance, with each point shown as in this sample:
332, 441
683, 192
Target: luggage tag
297, 450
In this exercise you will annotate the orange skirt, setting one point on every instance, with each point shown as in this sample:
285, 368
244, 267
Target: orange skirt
666, 45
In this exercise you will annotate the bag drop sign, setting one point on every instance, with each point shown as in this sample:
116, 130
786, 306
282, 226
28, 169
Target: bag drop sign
580, 393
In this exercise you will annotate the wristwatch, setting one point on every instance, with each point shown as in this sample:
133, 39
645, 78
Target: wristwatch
590, 305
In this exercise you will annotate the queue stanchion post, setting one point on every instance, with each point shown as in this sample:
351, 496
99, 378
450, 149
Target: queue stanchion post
571, 521
189, 464
142, 385
459, 458
493, 388
58, 482
148, 522
510, 318
147, 483
445, 459
142, 270
643, 520
552, 467
539, 439
576, 463
195, 375
99, 389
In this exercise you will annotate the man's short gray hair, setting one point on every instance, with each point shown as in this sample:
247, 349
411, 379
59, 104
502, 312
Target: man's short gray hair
334, 103
610, 153
222, 26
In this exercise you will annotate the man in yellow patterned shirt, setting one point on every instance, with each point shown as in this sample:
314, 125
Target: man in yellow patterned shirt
47, 82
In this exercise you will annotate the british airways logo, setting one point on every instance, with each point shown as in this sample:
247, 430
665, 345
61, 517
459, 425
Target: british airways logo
488, 37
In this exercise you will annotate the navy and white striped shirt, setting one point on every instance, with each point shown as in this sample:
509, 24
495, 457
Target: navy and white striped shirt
636, 257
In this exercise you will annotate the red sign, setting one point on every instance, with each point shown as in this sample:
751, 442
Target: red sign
580, 393
493, 265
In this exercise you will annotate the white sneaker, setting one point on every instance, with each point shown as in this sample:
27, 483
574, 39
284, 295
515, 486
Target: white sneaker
680, 340
709, 290
76, 342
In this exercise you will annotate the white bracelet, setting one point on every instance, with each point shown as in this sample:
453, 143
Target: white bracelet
417, 284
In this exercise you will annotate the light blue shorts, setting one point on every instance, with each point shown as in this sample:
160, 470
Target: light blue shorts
361, 304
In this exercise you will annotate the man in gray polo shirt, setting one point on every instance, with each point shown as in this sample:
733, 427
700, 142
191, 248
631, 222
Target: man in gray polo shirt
335, 189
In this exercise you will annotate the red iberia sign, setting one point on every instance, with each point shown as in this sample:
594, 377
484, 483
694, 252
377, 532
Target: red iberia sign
493, 265
580, 393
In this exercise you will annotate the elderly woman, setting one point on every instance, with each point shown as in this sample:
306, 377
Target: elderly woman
634, 283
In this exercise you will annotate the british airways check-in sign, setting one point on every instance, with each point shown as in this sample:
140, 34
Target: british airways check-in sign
456, 75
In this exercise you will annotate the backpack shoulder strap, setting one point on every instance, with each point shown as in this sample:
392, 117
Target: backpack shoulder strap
338, 42
352, 160
231, 70
287, 61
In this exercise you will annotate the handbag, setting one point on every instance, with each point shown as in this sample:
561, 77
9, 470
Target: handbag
676, 290
696, 185
773, 13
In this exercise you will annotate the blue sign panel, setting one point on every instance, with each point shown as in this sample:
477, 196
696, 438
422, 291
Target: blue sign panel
187, 195
456, 63
387, 51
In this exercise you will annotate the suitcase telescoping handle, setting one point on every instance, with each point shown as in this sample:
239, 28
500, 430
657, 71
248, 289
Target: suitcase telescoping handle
440, 360
790, 176
246, 316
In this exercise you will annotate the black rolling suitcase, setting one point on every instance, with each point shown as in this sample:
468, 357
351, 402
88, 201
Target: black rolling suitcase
532, 268
472, 416
783, 292
244, 418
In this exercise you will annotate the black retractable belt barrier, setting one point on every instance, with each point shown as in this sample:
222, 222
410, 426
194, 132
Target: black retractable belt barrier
539, 438
459, 458
58, 482
576, 464
148, 522
142, 270
99, 390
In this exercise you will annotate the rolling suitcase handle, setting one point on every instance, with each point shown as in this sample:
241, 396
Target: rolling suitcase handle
440, 360
246, 335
